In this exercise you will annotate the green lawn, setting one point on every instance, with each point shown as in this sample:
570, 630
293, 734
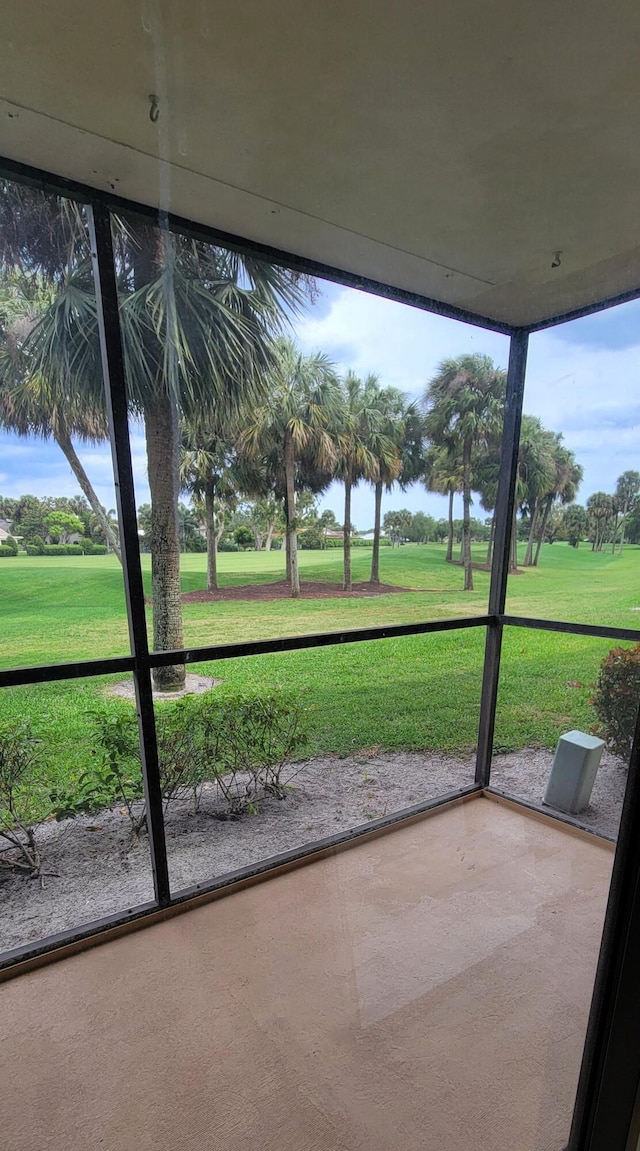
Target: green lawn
414, 693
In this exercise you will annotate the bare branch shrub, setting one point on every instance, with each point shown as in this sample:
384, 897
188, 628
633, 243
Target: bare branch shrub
22, 788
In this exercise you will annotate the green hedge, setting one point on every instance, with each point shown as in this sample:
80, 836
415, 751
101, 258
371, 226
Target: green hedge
5, 552
91, 549
86, 548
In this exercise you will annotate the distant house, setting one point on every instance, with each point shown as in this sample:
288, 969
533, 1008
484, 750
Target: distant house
5, 530
354, 535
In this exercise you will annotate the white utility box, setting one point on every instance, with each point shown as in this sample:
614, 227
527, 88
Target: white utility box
575, 766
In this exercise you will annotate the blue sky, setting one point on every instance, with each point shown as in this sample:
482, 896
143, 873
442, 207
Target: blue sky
582, 380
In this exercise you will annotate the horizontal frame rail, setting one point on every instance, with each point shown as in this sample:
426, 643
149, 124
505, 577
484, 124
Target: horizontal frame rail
315, 639
53, 672
111, 665
551, 812
85, 194
586, 310
43, 673
598, 631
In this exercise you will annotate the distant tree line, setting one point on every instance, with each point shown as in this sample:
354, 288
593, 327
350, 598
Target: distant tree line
56, 519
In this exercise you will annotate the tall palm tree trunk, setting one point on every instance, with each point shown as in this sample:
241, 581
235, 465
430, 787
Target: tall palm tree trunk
63, 440
449, 555
514, 541
162, 434
528, 555
287, 549
163, 440
466, 516
618, 525
346, 534
622, 527
543, 528
210, 529
290, 510
375, 554
492, 536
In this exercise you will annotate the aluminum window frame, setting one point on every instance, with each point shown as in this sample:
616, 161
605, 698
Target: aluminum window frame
605, 1110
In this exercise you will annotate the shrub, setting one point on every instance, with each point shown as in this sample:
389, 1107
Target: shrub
89, 548
5, 552
35, 549
22, 788
62, 550
116, 776
228, 545
12, 544
241, 742
617, 696
247, 740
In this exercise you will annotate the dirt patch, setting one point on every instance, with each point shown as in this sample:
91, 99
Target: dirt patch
309, 589
101, 868
193, 685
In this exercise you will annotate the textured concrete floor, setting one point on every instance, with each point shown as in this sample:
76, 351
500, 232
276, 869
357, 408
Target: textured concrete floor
428, 989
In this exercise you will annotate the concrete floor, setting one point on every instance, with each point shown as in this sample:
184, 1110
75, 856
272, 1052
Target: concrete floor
428, 989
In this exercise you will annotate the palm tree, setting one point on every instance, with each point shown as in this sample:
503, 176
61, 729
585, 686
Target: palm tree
464, 404
600, 511
202, 470
574, 524
626, 498
366, 450
294, 432
564, 486
197, 326
29, 406
486, 475
443, 475
402, 427
536, 474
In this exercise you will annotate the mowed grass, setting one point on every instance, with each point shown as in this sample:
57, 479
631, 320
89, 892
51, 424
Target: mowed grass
421, 692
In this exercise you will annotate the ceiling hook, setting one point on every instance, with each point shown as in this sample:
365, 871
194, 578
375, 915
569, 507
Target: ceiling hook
556, 262
154, 110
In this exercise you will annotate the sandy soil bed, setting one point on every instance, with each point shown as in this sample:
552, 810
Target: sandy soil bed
100, 868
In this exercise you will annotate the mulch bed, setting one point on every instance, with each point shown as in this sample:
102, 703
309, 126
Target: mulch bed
308, 590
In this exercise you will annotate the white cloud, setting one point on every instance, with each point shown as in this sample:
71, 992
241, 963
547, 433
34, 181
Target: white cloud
39, 468
590, 393
403, 345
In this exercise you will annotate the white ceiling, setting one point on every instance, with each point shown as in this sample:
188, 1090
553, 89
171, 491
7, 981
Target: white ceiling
448, 148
